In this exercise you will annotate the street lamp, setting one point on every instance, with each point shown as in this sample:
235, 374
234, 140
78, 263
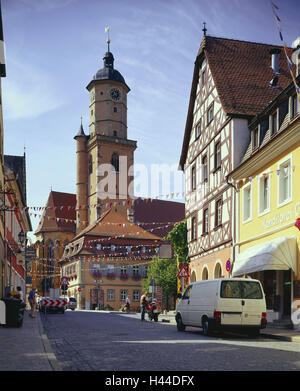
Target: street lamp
22, 237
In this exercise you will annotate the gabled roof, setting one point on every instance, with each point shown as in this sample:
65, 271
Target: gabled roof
241, 72
111, 223
59, 208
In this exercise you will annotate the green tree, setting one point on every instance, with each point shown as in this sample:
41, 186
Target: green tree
178, 239
166, 269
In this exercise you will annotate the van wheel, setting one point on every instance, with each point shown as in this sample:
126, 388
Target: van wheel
206, 328
180, 325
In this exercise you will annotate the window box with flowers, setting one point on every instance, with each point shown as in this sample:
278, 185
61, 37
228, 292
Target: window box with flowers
123, 276
111, 275
96, 274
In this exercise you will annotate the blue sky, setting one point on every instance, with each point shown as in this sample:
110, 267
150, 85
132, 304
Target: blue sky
54, 47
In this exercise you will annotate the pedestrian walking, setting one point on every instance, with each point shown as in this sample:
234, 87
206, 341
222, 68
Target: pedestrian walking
21, 296
144, 302
32, 302
127, 304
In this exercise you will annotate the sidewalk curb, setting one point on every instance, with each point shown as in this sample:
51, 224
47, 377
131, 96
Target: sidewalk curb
290, 338
54, 363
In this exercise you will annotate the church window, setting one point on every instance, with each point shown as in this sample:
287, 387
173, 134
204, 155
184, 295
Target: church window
115, 161
115, 110
115, 133
101, 92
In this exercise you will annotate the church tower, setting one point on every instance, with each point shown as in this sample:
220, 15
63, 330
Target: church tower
109, 153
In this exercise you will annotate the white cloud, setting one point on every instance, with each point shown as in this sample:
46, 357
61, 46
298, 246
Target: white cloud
28, 92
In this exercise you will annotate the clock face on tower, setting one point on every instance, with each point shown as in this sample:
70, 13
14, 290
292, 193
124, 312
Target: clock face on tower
115, 94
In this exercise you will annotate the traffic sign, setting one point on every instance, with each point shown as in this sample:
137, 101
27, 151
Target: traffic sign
183, 272
79, 289
64, 281
228, 265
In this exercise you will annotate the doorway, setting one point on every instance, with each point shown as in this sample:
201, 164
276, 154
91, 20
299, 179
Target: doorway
287, 284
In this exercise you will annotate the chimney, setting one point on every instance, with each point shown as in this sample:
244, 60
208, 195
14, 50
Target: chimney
274, 60
296, 55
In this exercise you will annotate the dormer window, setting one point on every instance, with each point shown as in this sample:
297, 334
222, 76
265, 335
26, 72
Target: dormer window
274, 122
294, 106
255, 139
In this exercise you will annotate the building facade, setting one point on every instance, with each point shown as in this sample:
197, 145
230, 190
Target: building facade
267, 245
230, 85
56, 229
107, 261
17, 222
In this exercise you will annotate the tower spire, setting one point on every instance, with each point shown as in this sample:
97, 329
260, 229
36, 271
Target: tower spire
108, 40
204, 28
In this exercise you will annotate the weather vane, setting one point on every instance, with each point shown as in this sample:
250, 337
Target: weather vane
108, 40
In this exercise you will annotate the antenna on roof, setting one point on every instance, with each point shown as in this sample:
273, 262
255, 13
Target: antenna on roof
204, 28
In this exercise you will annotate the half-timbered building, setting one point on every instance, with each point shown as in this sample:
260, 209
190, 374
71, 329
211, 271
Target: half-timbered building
232, 81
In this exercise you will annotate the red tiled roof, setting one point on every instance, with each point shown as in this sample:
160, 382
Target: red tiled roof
241, 72
111, 223
59, 208
159, 212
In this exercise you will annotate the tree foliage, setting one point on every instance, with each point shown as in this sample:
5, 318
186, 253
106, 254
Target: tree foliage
166, 269
178, 238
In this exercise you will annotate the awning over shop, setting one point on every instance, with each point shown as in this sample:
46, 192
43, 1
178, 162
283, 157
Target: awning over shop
277, 254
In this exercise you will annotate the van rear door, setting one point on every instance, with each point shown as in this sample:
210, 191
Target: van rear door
253, 302
230, 303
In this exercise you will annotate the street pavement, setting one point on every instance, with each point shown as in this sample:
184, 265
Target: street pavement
26, 348
44, 343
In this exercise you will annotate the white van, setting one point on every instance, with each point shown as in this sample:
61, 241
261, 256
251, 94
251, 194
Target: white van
225, 303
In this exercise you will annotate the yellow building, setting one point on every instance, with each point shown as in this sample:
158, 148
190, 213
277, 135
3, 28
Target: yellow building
267, 242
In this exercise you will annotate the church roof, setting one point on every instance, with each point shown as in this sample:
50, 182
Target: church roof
59, 213
241, 72
108, 72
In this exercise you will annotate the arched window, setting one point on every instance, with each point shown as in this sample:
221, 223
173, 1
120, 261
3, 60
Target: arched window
205, 273
193, 277
115, 161
218, 271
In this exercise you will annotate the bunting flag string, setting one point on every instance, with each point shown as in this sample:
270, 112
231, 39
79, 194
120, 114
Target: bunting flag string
286, 50
264, 175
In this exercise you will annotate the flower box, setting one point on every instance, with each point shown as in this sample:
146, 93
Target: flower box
111, 276
137, 277
124, 276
